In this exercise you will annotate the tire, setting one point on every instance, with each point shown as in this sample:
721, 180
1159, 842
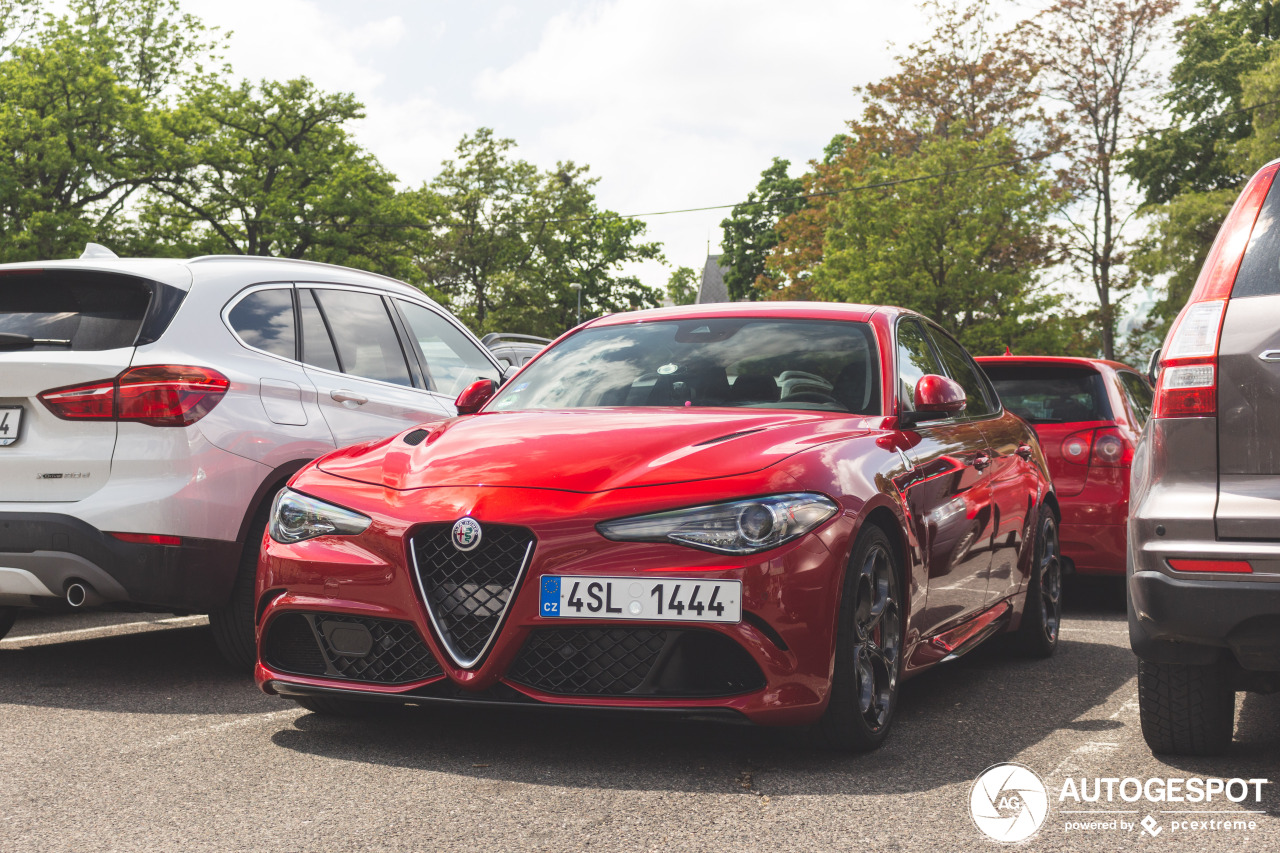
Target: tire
1037, 636
8, 615
1186, 709
233, 625
868, 654
338, 706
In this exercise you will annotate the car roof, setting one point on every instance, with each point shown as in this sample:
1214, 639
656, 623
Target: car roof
797, 310
1052, 360
180, 272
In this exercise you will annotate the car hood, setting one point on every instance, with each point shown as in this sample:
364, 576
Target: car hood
589, 450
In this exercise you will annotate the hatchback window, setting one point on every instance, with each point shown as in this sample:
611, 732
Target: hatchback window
964, 371
71, 310
1138, 393
1259, 273
1051, 394
451, 360
366, 339
264, 320
725, 361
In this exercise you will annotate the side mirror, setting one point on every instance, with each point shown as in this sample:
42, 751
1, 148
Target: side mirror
1153, 367
935, 396
475, 396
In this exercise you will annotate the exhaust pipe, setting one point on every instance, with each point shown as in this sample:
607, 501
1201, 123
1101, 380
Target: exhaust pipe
80, 594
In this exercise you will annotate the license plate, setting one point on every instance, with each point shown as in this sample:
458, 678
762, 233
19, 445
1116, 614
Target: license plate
665, 599
10, 420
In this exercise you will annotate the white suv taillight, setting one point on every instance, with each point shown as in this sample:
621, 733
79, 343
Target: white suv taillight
157, 394
1188, 383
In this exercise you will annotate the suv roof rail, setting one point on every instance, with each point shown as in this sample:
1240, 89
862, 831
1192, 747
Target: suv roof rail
208, 258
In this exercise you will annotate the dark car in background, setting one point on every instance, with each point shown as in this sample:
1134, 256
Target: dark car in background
1204, 530
512, 350
1089, 415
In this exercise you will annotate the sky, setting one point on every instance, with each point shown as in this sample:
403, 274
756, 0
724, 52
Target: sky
672, 103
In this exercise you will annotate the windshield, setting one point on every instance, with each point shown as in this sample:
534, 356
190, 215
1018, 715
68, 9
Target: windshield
1045, 394
758, 363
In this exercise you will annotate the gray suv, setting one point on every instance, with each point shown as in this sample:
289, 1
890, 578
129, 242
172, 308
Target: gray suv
1204, 523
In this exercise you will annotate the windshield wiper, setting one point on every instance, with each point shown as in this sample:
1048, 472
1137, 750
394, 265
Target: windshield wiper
14, 340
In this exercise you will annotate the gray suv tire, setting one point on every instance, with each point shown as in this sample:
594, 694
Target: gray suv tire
1186, 709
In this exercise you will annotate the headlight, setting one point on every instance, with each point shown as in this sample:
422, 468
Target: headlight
741, 527
296, 517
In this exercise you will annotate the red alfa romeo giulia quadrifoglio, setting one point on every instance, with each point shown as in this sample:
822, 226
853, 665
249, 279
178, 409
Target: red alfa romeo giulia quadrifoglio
773, 512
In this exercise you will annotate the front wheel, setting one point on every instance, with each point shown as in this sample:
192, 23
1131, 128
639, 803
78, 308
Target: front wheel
1042, 613
8, 615
868, 657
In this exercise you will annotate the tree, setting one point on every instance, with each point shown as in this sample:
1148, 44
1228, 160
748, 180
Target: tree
87, 122
512, 242
1094, 60
750, 232
273, 170
964, 249
1191, 172
682, 287
964, 82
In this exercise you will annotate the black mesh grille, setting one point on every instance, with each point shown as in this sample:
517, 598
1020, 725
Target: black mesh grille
467, 591
298, 643
588, 661
634, 661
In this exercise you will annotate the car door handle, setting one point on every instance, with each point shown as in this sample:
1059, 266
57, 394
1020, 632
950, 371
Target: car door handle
1270, 355
348, 397
1024, 450
982, 462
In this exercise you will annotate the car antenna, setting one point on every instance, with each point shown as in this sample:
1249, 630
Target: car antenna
96, 251
1007, 351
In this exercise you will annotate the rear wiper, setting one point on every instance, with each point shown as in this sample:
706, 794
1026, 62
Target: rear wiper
14, 340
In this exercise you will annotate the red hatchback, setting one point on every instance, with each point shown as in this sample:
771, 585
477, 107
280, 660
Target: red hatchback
773, 512
1089, 415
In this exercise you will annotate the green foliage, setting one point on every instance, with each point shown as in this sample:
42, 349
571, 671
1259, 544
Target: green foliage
84, 113
1191, 174
272, 170
682, 287
750, 233
513, 245
965, 250
1206, 101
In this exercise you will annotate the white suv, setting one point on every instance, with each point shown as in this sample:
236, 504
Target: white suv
151, 409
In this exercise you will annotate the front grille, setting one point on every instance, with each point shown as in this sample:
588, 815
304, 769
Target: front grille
466, 592
633, 661
300, 643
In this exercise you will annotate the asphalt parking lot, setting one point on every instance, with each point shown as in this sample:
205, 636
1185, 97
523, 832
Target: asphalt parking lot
126, 732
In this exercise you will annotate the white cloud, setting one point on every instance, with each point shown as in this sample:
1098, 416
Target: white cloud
678, 104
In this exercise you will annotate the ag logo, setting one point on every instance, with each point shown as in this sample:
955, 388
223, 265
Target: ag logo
466, 534
1008, 802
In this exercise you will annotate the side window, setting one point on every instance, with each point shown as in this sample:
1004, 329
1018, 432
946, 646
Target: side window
915, 359
452, 361
1138, 393
317, 346
264, 320
963, 370
365, 337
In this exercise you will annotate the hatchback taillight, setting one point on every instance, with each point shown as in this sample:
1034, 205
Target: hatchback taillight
1106, 447
157, 394
1188, 381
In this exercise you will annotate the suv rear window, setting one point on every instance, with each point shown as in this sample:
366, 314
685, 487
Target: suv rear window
1050, 394
71, 310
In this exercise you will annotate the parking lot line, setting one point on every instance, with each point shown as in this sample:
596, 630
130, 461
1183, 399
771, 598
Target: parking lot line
27, 640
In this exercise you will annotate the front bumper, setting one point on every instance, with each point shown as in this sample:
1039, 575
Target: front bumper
773, 667
42, 553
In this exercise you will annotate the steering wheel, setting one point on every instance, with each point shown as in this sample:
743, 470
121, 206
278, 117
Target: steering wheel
811, 397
